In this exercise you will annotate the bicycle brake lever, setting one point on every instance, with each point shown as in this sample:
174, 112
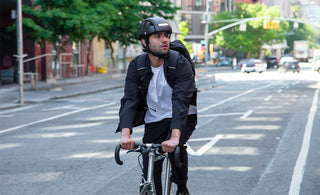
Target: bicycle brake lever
134, 150
159, 151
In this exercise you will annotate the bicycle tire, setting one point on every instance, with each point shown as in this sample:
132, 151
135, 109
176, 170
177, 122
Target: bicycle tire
146, 190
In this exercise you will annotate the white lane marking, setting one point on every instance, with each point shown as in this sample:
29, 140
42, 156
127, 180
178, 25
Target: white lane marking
299, 168
215, 115
245, 115
237, 169
279, 91
268, 98
54, 117
205, 147
60, 108
6, 116
233, 97
19, 109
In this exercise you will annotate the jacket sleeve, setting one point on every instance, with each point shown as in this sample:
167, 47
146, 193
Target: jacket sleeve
183, 89
129, 101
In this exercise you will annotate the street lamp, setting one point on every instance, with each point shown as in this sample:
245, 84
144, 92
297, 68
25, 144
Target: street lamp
20, 55
207, 31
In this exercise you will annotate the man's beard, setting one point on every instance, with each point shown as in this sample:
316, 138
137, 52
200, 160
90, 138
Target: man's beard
156, 53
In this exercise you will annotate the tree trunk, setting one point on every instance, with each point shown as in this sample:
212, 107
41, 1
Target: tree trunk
112, 57
109, 45
54, 71
89, 61
248, 54
125, 59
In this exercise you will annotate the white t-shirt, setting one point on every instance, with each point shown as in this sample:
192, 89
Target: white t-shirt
158, 97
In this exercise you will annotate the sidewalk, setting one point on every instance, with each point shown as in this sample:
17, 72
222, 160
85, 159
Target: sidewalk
9, 94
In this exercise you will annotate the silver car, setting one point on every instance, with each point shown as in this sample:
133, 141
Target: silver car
254, 65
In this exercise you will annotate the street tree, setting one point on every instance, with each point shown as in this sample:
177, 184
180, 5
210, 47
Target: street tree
59, 22
62, 22
130, 15
183, 28
100, 17
251, 40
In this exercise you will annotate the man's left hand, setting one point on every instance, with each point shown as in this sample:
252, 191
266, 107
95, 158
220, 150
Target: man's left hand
170, 145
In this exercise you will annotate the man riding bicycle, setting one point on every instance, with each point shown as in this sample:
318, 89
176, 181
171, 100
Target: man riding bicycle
165, 109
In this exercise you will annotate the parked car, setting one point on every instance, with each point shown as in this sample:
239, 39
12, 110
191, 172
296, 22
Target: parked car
272, 62
241, 62
254, 65
316, 65
224, 61
196, 59
291, 65
286, 58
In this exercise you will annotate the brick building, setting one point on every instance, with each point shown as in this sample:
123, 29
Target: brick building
43, 64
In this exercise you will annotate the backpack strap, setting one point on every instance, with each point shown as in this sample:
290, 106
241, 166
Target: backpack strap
141, 65
172, 66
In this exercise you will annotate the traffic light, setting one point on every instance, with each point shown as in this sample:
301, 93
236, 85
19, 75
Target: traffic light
271, 24
211, 48
266, 24
275, 24
203, 45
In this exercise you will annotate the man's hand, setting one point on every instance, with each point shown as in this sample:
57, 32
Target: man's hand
170, 145
125, 141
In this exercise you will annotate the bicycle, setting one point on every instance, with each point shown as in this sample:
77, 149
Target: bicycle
154, 153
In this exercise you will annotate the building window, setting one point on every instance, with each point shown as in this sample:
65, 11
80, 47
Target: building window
76, 53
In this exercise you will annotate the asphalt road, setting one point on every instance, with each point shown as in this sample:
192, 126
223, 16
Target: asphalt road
257, 134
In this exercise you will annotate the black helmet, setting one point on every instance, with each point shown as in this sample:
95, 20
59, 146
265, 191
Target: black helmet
152, 25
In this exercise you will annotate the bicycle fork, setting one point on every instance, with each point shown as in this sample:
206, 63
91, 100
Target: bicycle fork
149, 181
167, 185
150, 166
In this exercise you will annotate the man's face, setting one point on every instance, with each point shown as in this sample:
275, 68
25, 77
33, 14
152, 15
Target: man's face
159, 43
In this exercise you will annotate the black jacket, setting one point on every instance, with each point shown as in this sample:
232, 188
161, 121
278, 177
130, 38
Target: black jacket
133, 104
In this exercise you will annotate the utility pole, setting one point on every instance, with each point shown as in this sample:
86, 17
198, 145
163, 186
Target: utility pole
20, 55
207, 31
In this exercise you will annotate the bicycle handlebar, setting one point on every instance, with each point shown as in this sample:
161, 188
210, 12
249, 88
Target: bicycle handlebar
139, 149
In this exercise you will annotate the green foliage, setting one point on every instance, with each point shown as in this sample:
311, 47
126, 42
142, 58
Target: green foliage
303, 32
184, 31
132, 13
50, 20
61, 22
251, 40
113, 20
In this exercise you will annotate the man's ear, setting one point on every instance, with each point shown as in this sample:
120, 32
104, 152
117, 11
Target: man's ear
143, 41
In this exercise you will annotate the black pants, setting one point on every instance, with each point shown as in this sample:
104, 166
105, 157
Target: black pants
157, 133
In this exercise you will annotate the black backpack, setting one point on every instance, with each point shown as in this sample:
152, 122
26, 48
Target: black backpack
176, 47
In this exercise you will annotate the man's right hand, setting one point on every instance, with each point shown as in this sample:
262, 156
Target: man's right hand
126, 142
